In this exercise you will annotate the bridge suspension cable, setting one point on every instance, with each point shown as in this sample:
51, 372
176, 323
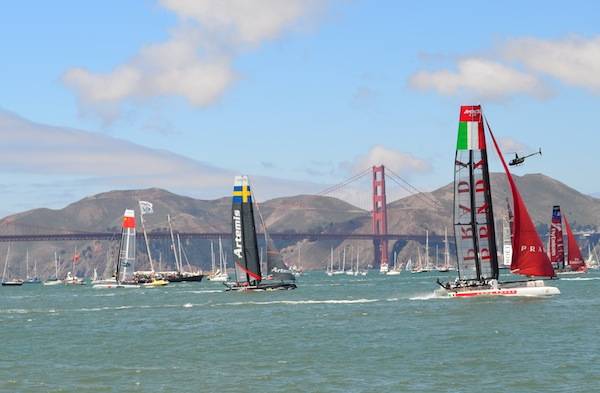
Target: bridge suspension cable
336, 187
412, 190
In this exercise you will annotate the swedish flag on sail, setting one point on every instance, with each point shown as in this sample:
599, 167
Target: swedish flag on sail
241, 190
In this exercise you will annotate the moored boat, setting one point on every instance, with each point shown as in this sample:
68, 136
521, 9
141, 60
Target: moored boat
8, 282
54, 280
477, 256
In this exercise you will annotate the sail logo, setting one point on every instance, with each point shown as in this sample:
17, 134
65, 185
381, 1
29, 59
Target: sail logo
237, 227
472, 112
526, 248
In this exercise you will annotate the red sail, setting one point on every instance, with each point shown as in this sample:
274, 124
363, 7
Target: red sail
574, 253
529, 257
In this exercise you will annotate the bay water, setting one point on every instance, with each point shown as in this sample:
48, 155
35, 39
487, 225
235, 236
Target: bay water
333, 334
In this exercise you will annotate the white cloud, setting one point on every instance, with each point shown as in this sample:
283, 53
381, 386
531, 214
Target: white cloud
573, 60
196, 61
242, 21
510, 145
481, 78
78, 160
399, 162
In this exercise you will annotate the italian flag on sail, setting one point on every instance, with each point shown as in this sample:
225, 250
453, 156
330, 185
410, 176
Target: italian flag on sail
470, 129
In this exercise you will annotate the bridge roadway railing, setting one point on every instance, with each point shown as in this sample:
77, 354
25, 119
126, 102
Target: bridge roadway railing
87, 236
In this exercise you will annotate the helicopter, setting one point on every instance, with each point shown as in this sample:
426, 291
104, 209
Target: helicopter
520, 160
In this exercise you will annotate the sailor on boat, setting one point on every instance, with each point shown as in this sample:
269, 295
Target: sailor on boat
474, 229
245, 248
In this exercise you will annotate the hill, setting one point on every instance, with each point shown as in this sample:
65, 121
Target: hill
302, 213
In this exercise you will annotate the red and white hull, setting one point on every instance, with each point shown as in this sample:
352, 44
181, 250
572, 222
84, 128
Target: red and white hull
535, 288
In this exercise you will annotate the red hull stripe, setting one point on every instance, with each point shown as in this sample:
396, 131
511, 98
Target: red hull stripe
499, 292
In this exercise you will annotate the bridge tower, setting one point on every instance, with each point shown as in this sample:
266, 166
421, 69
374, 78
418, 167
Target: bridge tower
379, 218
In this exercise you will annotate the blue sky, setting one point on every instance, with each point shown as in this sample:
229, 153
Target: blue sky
300, 94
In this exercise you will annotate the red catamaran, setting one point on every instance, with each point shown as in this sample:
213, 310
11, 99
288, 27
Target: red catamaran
474, 229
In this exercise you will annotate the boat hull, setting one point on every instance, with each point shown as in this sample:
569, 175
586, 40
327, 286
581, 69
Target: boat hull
535, 288
12, 284
279, 286
570, 273
114, 285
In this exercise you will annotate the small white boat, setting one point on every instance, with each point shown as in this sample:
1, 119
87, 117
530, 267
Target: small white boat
15, 282
54, 280
219, 275
72, 279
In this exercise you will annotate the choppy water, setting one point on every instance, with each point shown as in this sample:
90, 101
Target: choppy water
333, 334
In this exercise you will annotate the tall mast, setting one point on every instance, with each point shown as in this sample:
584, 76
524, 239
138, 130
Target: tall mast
6, 263
173, 242
212, 257
446, 251
427, 249
331, 259
56, 264
179, 253
27, 263
144, 231
221, 266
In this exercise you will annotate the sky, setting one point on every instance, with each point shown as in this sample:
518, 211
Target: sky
298, 94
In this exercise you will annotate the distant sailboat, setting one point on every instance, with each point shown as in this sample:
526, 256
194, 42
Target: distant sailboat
220, 275
33, 279
446, 266
474, 224
329, 270
574, 257
15, 282
507, 234
71, 277
592, 259
54, 280
245, 247
395, 270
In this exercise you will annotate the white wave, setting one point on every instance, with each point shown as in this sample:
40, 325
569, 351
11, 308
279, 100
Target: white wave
297, 302
16, 311
428, 296
188, 305
206, 291
580, 279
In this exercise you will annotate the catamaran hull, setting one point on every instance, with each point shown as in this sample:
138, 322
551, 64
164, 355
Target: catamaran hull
529, 289
260, 287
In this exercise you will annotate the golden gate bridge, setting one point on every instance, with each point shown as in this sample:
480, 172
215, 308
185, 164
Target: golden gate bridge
379, 234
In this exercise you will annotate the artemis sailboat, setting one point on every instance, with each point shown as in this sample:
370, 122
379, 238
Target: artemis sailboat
474, 229
245, 247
